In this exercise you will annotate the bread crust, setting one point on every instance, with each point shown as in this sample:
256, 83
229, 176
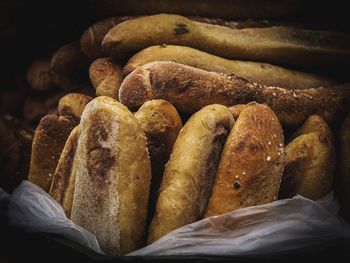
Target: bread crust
251, 164
39, 75
279, 45
106, 77
49, 139
63, 181
73, 105
310, 161
190, 89
190, 172
262, 73
113, 174
161, 124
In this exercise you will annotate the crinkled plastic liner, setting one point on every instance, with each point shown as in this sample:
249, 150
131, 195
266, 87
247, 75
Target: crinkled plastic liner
277, 227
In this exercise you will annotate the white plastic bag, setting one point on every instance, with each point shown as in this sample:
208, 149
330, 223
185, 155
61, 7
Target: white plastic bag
33, 210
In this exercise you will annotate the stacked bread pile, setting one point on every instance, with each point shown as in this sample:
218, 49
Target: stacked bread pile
191, 117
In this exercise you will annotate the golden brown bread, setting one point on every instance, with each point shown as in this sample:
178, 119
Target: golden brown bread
261, 73
39, 75
278, 45
91, 39
190, 172
251, 164
113, 174
69, 66
161, 124
49, 139
343, 168
190, 89
63, 181
73, 105
236, 110
310, 161
106, 77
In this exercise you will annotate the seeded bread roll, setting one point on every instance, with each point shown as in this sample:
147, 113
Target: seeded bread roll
113, 174
63, 182
343, 171
73, 105
190, 89
251, 164
49, 139
279, 45
190, 172
310, 161
106, 77
261, 73
161, 124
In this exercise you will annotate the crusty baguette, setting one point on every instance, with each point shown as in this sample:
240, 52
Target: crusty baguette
106, 77
277, 45
39, 75
233, 9
69, 66
73, 105
190, 172
189, 89
63, 181
161, 124
251, 165
113, 174
91, 39
262, 73
343, 170
310, 161
49, 139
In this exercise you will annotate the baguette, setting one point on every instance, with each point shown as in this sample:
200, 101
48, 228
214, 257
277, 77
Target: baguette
161, 124
49, 139
73, 105
69, 67
113, 174
106, 77
190, 89
251, 165
343, 171
63, 181
262, 73
310, 161
190, 172
39, 75
278, 45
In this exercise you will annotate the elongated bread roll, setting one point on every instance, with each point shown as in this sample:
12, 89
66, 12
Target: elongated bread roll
310, 161
277, 45
113, 174
251, 164
49, 139
343, 170
73, 105
161, 124
190, 172
190, 89
63, 182
261, 73
106, 77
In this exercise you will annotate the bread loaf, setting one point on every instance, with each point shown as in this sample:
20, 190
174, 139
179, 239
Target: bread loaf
161, 124
310, 161
190, 172
39, 75
106, 77
251, 164
49, 139
63, 181
278, 45
261, 73
190, 89
113, 174
73, 105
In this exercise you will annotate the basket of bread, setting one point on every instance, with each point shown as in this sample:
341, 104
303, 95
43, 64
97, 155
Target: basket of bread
186, 129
